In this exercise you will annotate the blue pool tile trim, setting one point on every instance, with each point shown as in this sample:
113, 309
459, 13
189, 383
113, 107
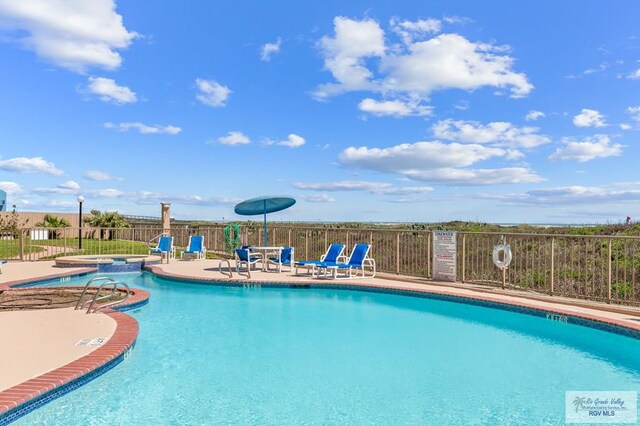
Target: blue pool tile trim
130, 306
31, 405
51, 280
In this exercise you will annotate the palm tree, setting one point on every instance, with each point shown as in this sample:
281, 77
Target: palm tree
51, 222
102, 220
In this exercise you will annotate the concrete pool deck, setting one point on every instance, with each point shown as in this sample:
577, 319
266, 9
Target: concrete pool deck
36, 342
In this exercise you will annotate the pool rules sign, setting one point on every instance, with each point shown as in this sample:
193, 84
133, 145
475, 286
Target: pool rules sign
444, 255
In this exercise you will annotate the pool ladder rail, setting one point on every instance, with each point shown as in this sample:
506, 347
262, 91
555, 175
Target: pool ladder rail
107, 283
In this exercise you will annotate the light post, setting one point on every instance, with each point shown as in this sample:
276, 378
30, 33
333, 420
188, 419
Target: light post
80, 201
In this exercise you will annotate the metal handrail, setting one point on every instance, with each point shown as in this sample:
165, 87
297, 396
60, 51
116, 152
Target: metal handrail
80, 305
106, 305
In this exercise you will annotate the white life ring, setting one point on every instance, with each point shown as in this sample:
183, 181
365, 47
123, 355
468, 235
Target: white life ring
506, 258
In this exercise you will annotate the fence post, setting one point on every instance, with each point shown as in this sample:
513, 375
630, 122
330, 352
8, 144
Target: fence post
553, 264
429, 254
99, 241
289, 237
21, 245
609, 274
464, 246
306, 244
398, 253
504, 278
326, 237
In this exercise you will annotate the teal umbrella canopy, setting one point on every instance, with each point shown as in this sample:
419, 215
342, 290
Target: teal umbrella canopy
263, 205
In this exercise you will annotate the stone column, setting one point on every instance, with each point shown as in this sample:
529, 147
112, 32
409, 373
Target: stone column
166, 218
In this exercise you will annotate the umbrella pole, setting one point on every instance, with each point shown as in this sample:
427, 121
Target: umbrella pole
265, 223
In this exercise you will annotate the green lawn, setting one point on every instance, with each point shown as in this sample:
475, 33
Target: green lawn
11, 248
95, 246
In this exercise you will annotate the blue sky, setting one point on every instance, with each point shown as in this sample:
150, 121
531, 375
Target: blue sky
367, 111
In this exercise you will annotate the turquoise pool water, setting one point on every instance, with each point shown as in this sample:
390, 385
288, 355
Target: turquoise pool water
227, 355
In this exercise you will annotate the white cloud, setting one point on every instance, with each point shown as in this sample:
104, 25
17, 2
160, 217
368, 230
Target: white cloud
144, 128
462, 105
344, 55
234, 138
270, 49
454, 176
212, 93
30, 165
379, 188
108, 91
70, 185
319, 198
569, 195
409, 30
534, 115
10, 188
438, 162
589, 118
139, 197
394, 108
74, 34
625, 126
97, 175
149, 197
634, 75
293, 141
597, 146
457, 20
104, 193
414, 70
499, 132
634, 112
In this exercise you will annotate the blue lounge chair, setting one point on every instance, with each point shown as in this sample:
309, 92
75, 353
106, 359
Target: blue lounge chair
244, 257
359, 261
2, 262
195, 248
333, 255
164, 248
284, 259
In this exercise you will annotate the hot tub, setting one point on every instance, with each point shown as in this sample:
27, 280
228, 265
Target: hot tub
109, 262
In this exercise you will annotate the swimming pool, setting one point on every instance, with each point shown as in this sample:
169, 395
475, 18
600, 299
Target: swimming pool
234, 355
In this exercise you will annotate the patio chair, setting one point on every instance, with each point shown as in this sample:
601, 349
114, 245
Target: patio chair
244, 257
164, 248
2, 262
195, 249
285, 258
359, 261
333, 255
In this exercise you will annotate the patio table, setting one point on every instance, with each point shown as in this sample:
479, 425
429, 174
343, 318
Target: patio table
266, 251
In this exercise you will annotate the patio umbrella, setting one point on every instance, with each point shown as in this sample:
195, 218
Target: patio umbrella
263, 205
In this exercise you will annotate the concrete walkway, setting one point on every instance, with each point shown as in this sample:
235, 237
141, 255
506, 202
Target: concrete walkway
36, 342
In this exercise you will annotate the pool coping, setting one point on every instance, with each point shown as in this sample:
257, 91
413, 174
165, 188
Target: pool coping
25, 397
522, 305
